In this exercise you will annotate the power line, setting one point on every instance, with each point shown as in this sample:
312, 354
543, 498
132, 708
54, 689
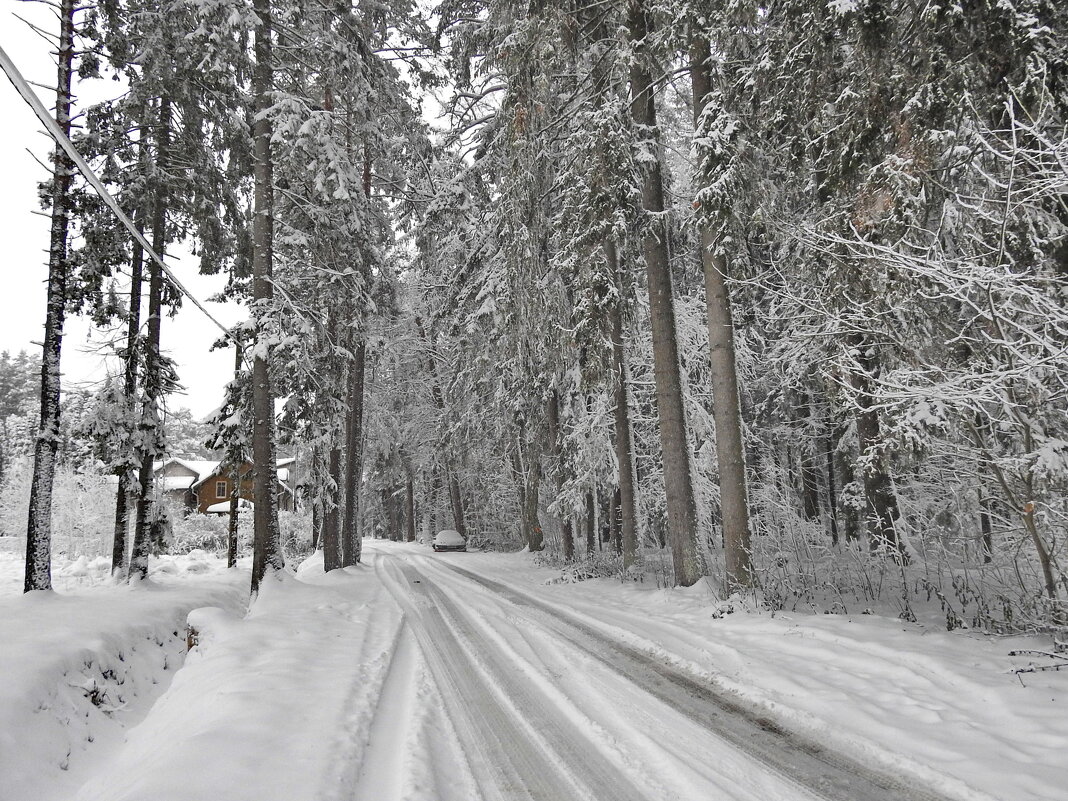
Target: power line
23, 88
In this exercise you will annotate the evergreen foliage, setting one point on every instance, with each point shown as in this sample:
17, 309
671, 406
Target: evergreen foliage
778, 287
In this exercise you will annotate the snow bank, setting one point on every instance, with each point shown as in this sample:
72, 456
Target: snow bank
78, 668
275, 705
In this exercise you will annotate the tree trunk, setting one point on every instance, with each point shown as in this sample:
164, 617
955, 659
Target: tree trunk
535, 535
38, 574
232, 519
556, 451
133, 327
387, 514
678, 482
409, 489
350, 541
615, 526
986, 530
235, 490
147, 515
726, 404
832, 489
332, 514
627, 543
881, 510
267, 547
530, 524
808, 460
317, 525
455, 496
456, 500
591, 523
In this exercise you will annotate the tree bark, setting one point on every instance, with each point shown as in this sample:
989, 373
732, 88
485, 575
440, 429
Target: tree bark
591, 523
556, 451
235, 491
455, 496
832, 488
267, 547
726, 404
881, 511
38, 575
317, 525
678, 481
409, 489
350, 541
456, 500
625, 537
986, 542
808, 460
529, 522
232, 519
332, 514
147, 517
615, 523
133, 327
535, 535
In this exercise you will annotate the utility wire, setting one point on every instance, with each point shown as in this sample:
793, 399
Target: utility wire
23, 88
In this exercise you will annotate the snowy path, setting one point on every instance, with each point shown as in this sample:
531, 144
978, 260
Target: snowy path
552, 709
878, 697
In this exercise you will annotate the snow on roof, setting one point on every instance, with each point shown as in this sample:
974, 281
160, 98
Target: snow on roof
201, 467
168, 483
223, 507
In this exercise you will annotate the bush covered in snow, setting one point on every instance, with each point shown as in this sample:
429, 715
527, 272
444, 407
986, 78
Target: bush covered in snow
202, 532
209, 532
83, 509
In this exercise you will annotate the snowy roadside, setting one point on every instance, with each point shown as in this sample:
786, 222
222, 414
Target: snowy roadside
941, 707
275, 705
81, 665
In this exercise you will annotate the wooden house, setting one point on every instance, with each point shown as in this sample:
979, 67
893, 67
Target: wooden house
213, 490
199, 484
176, 477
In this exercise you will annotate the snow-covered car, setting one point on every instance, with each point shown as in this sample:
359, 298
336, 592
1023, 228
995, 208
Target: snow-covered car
449, 540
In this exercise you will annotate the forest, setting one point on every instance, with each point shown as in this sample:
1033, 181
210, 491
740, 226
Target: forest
770, 292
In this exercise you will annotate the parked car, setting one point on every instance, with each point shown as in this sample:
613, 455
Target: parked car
449, 540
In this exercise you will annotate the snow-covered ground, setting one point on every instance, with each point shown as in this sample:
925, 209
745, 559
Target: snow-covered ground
82, 665
404, 678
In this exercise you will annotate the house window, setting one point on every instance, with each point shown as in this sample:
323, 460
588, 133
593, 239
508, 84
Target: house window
220, 489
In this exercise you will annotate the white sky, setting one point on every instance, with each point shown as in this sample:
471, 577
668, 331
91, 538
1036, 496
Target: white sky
24, 241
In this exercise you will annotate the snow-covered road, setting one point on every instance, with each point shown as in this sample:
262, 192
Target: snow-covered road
550, 708
467, 677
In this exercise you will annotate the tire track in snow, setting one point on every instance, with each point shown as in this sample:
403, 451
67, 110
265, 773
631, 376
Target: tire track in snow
828, 774
517, 749
381, 771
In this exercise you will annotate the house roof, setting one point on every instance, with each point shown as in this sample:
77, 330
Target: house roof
201, 468
168, 483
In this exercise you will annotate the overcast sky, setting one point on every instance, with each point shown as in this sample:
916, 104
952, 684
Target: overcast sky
24, 241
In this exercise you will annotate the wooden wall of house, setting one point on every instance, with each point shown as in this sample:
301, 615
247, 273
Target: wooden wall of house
209, 493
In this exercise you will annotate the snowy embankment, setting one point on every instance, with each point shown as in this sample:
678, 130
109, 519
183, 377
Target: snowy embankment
81, 665
275, 705
945, 708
